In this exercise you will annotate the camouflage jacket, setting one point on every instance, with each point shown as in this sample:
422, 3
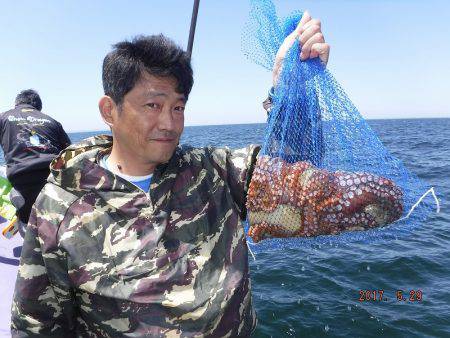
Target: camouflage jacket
101, 259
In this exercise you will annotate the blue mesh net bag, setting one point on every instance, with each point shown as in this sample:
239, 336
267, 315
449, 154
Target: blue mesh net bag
322, 174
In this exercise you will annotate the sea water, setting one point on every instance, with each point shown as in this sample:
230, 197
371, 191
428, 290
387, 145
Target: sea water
333, 291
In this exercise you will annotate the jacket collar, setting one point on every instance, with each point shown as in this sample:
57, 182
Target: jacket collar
25, 106
78, 170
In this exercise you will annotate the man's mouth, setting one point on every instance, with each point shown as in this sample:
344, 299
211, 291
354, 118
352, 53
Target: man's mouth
163, 139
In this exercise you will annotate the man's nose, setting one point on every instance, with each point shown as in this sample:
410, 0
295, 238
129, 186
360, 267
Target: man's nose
165, 121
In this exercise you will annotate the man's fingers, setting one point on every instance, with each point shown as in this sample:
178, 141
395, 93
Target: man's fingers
303, 21
321, 50
289, 41
306, 47
309, 33
312, 22
312, 42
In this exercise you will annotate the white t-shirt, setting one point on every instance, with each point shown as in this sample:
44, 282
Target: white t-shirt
142, 182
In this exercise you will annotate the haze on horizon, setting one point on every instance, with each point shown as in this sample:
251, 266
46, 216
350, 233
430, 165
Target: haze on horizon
389, 56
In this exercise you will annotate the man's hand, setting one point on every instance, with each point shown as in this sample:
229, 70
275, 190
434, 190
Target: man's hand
309, 33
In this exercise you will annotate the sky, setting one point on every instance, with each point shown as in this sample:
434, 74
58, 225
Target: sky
390, 56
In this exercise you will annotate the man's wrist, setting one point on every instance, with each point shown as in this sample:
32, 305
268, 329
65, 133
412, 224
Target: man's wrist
271, 93
267, 104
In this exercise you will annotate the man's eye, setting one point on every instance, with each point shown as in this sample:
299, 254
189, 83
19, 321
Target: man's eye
179, 109
152, 105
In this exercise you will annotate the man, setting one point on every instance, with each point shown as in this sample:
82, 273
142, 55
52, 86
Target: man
134, 235
30, 140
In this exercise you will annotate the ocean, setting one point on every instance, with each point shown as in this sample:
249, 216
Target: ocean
316, 291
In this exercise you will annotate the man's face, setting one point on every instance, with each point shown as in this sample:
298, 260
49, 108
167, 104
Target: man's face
150, 120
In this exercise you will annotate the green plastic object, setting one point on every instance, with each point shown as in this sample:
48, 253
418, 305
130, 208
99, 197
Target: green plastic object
8, 218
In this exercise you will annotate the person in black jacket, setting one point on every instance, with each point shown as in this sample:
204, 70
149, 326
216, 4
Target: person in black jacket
30, 140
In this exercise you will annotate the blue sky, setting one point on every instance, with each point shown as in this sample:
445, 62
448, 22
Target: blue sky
391, 57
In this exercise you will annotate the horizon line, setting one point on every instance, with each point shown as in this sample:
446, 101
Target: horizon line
247, 123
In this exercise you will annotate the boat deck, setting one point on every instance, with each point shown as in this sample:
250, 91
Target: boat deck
9, 263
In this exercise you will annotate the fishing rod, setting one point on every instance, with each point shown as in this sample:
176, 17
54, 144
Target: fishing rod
192, 29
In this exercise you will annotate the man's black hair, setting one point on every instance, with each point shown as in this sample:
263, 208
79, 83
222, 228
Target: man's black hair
156, 54
29, 96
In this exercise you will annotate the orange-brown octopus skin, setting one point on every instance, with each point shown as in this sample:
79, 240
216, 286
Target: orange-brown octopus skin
299, 200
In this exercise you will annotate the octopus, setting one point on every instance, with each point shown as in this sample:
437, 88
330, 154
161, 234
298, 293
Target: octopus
300, 200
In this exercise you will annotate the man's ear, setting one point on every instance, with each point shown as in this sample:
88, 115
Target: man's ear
107, 106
